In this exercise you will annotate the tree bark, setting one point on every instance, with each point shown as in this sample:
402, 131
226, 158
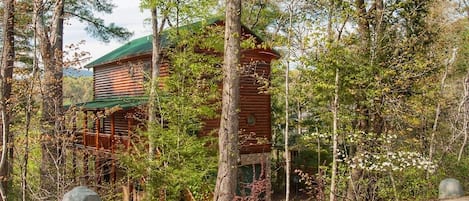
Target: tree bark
363, 24
335, 106
8, 59
362, 112
225, 189
155, 71
287, 114
51, 48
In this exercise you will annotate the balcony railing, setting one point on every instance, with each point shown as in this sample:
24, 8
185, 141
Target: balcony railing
102, 141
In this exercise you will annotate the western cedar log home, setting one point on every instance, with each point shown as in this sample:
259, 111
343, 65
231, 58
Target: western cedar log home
119, 92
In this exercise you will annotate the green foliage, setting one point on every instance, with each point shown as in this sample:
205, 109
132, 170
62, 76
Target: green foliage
259, 15
389, 91
411, 184
77, 89
181, 11
184, 159
85, 12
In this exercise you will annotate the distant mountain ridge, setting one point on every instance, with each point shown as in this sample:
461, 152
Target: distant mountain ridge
73, 72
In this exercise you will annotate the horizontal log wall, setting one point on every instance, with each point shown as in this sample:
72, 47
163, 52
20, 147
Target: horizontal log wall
123, 79
254, 105
117, 80
120, 120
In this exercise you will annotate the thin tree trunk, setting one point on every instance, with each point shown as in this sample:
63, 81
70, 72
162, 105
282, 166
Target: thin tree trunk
225, 189
286, 136
155, 71
461, 150
157, 28
335, 106
24, 172
287, 114
438, 107
8, 59
464, 106
298, 112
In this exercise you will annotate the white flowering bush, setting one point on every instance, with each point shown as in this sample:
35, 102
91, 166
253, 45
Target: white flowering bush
381, 158
389, 166
391, 161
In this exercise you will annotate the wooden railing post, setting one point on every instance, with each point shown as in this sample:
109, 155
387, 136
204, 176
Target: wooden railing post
129, 130
113, 130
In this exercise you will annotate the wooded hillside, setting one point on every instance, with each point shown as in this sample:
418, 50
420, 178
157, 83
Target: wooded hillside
369, 101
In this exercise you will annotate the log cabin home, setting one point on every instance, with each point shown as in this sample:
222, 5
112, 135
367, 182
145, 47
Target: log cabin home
115, 113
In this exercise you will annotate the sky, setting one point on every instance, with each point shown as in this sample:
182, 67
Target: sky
126, 14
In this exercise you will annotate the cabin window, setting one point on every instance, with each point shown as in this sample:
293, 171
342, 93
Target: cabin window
131, 70
251, 120
146, 72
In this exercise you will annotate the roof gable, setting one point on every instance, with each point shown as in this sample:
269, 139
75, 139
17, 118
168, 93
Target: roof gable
143, 45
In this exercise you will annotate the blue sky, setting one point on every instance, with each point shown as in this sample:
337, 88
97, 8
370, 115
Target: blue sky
127, 14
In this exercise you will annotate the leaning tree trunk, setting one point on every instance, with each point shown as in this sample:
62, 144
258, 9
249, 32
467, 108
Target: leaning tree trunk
155, 70
229, 125
8, 59
153, 98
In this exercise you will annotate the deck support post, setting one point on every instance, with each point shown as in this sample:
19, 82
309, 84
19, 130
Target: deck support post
113, 162
96, 137
129, 130
85, 126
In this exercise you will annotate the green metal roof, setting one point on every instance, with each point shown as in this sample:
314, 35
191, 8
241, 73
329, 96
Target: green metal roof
134, 47
122, 103
144, 44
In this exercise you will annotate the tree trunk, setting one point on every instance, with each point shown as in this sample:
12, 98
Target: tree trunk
335, 106
287, 114
155, 70
225, 189
363, 24
448, 63
8, 59
51, 49
362, 113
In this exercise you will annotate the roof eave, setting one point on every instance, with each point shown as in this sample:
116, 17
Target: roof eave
120, 59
